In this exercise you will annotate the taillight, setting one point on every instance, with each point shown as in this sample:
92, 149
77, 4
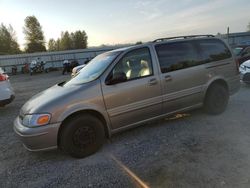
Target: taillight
3, 77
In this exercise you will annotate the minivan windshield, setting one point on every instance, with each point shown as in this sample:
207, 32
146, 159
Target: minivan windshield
93, 69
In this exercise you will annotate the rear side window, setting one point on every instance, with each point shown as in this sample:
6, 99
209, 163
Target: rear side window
213, 50
176, 56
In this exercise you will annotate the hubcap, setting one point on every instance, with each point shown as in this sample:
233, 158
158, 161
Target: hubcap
219, 99
84, 136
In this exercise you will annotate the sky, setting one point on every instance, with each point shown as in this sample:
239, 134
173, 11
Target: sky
127, 21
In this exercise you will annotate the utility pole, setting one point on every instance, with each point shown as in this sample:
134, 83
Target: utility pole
228, 35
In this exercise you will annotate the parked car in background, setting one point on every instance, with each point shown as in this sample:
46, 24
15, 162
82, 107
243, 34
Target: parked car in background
126, 87
245, 72
7, 94
242, 53
76, 70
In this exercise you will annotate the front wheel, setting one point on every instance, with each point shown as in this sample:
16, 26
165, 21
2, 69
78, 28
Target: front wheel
82, 136
216, 99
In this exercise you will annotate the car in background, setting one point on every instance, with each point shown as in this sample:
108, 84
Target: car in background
75, 70
242, 53
245, 72
7, 94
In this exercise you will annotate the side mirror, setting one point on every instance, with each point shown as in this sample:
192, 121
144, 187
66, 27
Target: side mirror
117, 78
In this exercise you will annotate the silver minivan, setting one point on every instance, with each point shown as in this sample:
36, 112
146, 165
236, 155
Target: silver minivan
123, 88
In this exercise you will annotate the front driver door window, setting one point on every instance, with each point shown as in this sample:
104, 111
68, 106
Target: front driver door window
135, 64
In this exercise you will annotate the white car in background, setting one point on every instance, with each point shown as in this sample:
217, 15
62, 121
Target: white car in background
245, 72
7, 94
75, 70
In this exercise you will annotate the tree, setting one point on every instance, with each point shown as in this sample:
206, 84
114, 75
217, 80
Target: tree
14, 45
58, 44
80, 39
138, 43
33, 35
52, 45
69, 41
66, 42
8, 41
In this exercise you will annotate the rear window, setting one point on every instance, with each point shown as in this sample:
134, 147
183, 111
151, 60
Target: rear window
176, 56
213, 50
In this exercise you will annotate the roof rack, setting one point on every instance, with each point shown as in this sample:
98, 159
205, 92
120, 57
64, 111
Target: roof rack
182, 37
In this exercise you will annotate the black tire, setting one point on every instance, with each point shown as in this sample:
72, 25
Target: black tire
82, 136
216, 99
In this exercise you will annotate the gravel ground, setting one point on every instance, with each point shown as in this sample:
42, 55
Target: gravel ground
195, 150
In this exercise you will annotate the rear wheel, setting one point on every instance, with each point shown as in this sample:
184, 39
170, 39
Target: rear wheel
216, 99
82, 136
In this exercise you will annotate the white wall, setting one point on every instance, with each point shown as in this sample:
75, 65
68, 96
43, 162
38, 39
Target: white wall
54, 59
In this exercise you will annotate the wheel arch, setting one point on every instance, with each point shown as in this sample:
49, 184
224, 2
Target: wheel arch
86, 111
219, 81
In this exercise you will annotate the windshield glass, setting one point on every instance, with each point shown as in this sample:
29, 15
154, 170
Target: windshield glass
93, 69
237, 50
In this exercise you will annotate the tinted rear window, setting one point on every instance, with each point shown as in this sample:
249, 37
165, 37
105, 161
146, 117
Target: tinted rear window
176, 56
213, 50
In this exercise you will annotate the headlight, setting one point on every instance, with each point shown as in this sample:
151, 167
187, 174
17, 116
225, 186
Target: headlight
242, 68
36, 120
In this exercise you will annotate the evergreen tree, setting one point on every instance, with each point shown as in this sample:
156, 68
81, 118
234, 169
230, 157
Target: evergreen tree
8, 41
80, 39
52, 46
33, 35
66, 42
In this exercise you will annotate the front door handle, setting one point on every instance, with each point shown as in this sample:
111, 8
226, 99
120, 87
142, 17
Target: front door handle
152, 81
168, 78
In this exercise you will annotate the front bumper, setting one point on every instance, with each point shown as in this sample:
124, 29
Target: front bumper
7, 101
38, 138
245, 77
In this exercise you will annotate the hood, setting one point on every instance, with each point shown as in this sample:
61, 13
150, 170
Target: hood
46, 98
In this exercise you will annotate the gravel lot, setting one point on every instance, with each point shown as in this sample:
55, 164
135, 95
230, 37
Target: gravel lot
197, 150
